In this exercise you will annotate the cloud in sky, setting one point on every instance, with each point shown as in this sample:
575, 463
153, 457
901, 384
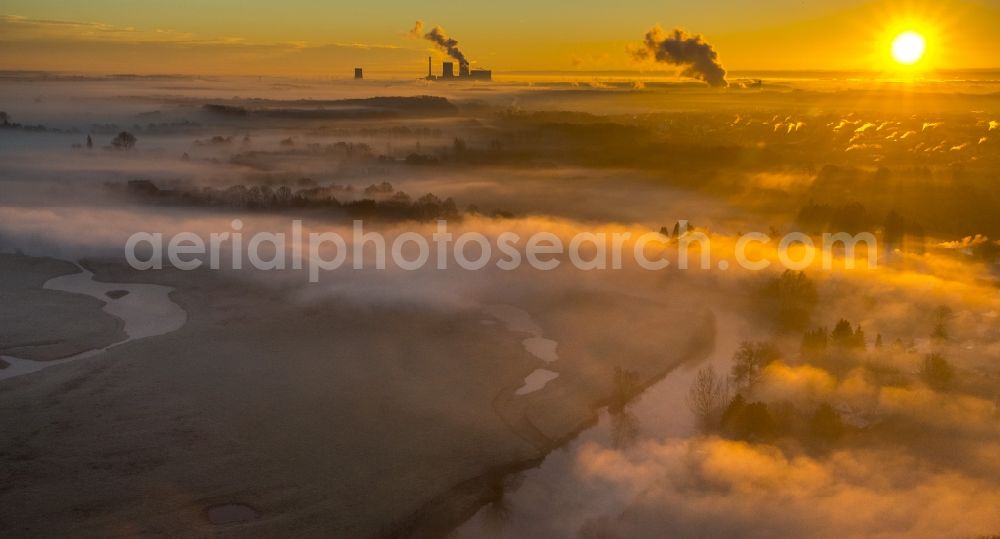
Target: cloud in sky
17, 28
779, 35
97, 47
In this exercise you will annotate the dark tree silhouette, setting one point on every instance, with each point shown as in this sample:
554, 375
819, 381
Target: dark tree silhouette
4, 118
385, 203
937, 372
383, 188
842, 334
942, 315
90, 142
749, 362
859, 339
815, 341
748, 421
124, 141
791, 299
825, 424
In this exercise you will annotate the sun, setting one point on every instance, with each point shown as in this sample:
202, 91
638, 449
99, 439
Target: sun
908, 47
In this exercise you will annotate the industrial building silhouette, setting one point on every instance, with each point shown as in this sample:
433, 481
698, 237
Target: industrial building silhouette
464, 72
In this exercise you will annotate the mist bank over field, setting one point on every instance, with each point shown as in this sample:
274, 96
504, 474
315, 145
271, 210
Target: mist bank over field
918, 180
497, 147
871, 388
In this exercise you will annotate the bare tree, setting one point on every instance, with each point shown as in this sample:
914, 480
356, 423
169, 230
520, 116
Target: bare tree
749, 362
708, 396
625, 428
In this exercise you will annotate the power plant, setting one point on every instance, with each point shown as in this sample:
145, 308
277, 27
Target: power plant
464, 72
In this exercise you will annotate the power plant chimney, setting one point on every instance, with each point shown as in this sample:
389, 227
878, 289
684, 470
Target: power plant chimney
463, 69
448, 70
358, 73
429, 74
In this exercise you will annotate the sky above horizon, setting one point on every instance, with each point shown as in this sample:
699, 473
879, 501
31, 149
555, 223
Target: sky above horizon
314, 38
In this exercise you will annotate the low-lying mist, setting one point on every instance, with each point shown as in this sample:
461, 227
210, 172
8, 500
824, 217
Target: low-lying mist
906, 366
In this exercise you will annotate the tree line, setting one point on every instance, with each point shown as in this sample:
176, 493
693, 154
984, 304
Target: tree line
381, 201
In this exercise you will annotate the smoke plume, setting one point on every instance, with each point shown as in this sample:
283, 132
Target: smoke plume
441, 39
696, 57
418, 30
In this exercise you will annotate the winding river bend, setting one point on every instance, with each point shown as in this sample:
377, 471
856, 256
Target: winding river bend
145, 309
555, 500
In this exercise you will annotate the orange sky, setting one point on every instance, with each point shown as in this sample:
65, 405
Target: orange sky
308, 38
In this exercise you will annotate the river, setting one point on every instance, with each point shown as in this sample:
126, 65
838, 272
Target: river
553, 500
145, 309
